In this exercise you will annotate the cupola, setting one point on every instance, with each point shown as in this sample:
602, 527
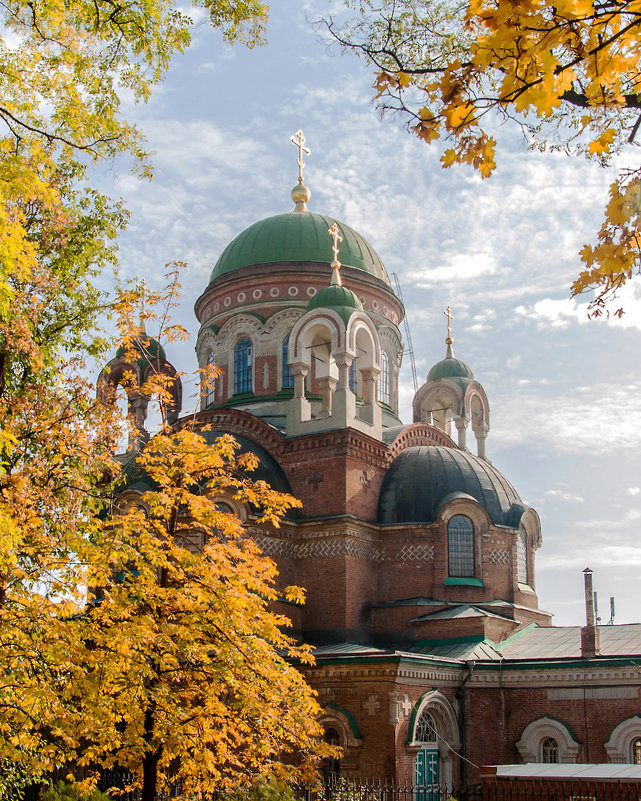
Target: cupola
451, 394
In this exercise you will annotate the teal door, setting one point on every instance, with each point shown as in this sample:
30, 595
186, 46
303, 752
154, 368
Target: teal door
426, 775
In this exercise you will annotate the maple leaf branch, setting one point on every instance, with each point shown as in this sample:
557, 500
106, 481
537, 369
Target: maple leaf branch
90, 147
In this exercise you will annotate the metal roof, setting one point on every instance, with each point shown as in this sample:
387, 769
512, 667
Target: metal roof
421, 477
565, 642
298, 237
566, 771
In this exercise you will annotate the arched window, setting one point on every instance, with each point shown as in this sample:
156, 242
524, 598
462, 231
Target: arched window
352, 376
549, 750
521, 557
425, 729
209, 381
635, 748
288, 378
243, 366
384, 395
331, 765
460, 546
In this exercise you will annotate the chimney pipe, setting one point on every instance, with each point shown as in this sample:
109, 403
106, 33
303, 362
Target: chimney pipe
590, 644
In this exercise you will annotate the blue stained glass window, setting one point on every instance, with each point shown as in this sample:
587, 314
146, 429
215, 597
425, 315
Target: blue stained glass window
288, 378
243, 366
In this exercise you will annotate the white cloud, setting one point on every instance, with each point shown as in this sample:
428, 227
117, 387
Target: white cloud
571, 421
564, 496
634, 490
458, 267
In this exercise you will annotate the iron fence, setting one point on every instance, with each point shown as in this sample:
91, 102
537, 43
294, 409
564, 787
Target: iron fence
354, 789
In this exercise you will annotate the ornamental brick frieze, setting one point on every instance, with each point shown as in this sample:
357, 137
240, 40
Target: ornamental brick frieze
498, 556
332, 545
337, 549
273, 546
592, 693
442, 674
323, 673
419, 552
537, 677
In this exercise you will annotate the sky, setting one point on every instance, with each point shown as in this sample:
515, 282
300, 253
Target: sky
563, 389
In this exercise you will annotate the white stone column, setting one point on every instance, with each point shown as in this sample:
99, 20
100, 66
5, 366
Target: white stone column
299, 409
327, 385
461, 428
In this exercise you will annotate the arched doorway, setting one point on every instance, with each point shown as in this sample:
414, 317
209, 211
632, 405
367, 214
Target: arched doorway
433, 736
426, 761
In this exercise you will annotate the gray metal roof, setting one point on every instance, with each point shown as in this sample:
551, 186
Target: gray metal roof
565, 642
567, 771
422, 477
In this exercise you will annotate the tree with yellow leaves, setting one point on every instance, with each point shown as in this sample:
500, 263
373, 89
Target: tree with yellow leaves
176, 670
186, 676
567, 72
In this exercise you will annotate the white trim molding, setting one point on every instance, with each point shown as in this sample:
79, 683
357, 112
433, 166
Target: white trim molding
618, 747
529, 746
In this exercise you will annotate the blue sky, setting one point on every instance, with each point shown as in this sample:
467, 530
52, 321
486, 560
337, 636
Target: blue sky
563, 390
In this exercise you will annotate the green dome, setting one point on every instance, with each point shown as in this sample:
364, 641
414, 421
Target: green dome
146, 346
298, 237
450, 368
335, 295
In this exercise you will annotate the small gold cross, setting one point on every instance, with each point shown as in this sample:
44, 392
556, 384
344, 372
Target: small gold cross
299, 141
335, 234
450, 317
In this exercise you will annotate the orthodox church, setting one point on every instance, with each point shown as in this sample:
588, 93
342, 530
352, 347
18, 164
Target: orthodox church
418, 556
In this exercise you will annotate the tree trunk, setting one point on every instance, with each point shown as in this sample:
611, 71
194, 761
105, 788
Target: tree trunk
150, 760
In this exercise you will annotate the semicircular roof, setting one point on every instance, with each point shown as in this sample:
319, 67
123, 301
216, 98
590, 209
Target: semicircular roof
145, 345
449, 367
298, 237
422, 477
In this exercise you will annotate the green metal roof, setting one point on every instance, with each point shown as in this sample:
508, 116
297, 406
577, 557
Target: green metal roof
423, 477
450, 368
298, 237
145, 345
336, 297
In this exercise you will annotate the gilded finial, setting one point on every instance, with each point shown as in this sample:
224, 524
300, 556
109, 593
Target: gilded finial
335, 234
450, 353
300, 193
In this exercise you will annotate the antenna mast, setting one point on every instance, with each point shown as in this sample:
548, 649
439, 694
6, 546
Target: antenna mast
409, 348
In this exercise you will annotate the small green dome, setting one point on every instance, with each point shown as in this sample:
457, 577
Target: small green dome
336, 297
298, 237
146, 346
450, 368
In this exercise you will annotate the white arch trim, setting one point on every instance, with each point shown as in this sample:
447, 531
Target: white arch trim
303, 332
335, 717
618, 747
444, 717
529, 746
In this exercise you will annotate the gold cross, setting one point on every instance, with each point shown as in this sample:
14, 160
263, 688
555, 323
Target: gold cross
335, 234
299, 141
450, 317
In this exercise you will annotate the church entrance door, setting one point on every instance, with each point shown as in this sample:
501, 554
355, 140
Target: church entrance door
426, 775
